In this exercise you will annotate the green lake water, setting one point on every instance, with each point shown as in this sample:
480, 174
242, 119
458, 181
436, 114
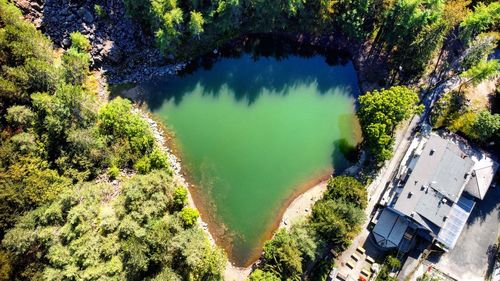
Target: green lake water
253, 133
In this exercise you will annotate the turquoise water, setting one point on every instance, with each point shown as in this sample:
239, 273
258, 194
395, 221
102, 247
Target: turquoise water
252, 133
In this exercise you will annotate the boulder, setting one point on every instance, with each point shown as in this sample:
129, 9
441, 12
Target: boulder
87, 17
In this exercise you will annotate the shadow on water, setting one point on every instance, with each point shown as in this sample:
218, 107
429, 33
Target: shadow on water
248, 67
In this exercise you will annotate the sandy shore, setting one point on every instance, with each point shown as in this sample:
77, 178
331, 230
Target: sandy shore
299, 209
301, 206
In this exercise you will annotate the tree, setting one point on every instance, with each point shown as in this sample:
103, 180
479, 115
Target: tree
486, 125
117, 122
76, 65
428, 277
282, 256
196, 24
380, 112
80, 42
390, 264
351, 17
480, 72
260, 275
482, 18
412, 32
189, 216
336, 221
168, 37
347, 189
479, 50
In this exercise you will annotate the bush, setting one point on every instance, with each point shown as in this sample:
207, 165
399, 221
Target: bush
143, 166
99, 10
80, 42
189, 216
113, 172
180, 197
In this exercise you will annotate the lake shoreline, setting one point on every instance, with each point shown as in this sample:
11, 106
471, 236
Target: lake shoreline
293, 207
298, 207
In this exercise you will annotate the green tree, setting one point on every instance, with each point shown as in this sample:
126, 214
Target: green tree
116, 122
479, 50
380, 112
351, 17
260, 275
282, 256
196, 23
428, 277
80, 42
336, 221
76, 65
180, 197
347, 189
480, 72
481, 19
189, 216
486, 125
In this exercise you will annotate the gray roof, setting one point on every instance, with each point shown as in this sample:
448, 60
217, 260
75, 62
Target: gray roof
437, 180
483, 172
390, 229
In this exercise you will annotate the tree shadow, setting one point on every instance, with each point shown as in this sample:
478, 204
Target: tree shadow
251, 69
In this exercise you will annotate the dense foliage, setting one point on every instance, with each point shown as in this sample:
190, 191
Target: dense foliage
380, 112
60, 145
129, 231
334, 221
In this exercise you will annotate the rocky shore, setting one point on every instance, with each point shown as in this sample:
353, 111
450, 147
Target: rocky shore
174, 161
120, 48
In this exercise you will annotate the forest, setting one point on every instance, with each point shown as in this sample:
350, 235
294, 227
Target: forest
87, 193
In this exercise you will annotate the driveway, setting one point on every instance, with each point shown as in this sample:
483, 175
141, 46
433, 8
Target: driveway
473, 256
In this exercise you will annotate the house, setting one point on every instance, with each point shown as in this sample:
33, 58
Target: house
434, 195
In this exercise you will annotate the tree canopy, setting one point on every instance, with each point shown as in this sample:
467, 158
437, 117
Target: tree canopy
380, 112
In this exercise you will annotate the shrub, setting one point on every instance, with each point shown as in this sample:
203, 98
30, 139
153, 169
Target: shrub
180, 197
189, 216
80, 42
143, 166
113, 172
99, 10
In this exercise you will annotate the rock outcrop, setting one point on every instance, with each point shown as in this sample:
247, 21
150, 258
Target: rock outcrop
119, 45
